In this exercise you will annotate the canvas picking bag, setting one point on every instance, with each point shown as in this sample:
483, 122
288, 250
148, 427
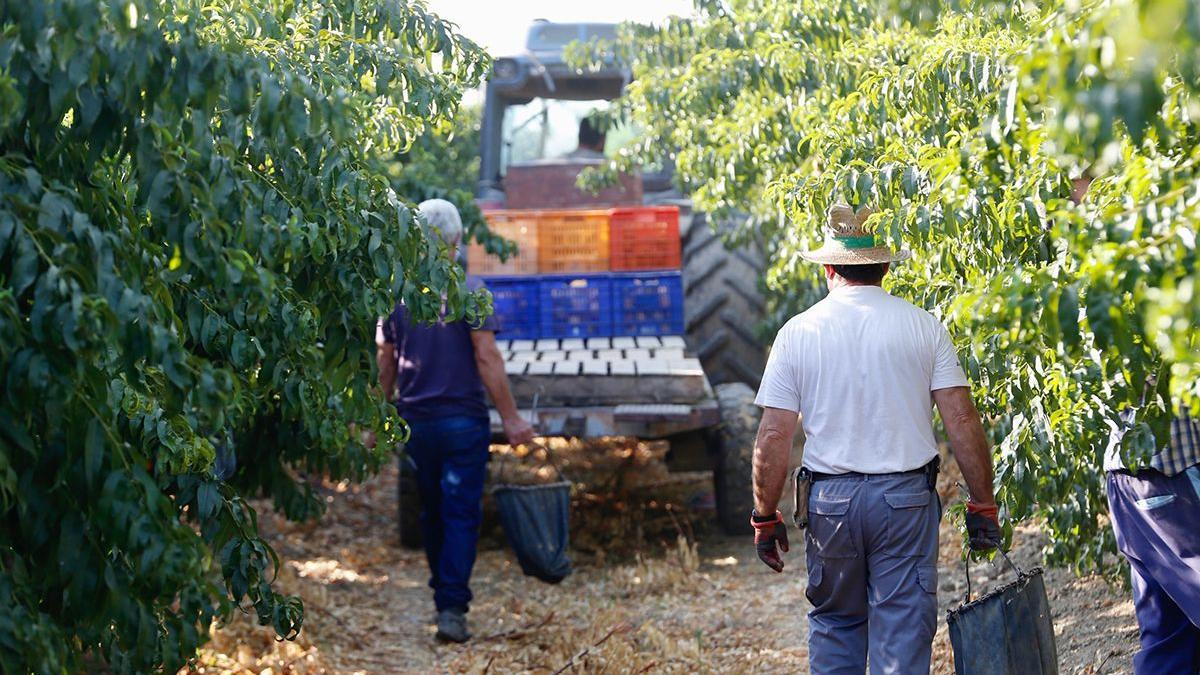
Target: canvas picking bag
536, 522
1008, 631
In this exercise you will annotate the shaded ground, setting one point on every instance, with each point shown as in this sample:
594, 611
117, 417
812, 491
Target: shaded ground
642, 599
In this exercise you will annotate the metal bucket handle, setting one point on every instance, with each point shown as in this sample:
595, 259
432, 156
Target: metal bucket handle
967, 571
533, 444
1021, 574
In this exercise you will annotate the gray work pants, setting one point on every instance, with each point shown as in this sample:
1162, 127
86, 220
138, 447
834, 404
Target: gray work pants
872, 566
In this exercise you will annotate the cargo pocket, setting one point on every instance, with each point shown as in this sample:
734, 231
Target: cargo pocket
816, 573
927, 576
908, 523
829, 534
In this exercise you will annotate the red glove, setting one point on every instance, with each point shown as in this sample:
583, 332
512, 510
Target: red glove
983, 526
770, 538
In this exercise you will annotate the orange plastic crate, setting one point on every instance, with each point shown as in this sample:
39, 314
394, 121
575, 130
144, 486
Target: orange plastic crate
645, 238
573, 241
518, 226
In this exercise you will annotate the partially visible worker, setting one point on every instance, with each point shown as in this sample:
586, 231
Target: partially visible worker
438, 373
862, 369
1155, 514
591, 141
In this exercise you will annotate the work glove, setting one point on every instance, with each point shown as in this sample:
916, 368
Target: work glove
770, 539
983, 526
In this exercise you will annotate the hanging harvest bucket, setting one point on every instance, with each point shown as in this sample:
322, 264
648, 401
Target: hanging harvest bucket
536, 523
1008, 631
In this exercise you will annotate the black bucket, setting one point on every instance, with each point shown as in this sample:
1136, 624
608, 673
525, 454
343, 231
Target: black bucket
535, 521
1006, 632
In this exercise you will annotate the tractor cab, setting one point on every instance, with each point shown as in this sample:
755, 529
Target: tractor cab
533, 108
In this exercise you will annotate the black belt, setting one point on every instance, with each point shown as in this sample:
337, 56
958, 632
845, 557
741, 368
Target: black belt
1130, 472
930, 470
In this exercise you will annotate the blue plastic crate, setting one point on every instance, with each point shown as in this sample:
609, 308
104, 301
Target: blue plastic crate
576, 305
517, 304
648, 303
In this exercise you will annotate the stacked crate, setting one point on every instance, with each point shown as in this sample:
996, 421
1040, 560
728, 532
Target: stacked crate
644, 238
516, 302
519, 226
578, 306
573, 241
586, 273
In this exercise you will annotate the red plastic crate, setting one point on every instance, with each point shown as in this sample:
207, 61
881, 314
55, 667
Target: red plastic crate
518, 226
572, 241
644, 238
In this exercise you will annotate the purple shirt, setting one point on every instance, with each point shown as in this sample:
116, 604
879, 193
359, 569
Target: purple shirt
436, 375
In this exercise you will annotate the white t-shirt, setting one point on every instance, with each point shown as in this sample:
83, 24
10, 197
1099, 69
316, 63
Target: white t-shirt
859, 367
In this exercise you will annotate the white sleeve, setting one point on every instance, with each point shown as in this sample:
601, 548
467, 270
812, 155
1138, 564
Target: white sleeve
780, 386
947, 371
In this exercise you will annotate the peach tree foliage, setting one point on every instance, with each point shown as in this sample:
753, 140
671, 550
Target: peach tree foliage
963, 124
443, 163
197, 232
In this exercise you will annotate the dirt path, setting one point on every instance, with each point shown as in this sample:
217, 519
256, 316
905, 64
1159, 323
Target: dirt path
641, 600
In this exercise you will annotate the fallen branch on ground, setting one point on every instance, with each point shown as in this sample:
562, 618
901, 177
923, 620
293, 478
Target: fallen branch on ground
519, 632
619, 628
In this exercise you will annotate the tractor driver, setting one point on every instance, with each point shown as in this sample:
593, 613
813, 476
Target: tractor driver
591, 141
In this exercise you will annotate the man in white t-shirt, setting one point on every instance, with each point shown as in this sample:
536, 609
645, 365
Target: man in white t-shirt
862, 370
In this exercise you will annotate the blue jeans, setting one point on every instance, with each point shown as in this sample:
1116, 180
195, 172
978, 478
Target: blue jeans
450, 455
871, 549
1156, 519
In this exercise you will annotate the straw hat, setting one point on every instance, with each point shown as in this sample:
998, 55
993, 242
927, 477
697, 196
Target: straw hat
847, 242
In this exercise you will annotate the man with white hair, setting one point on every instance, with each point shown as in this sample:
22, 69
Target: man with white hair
863, 368
438, 374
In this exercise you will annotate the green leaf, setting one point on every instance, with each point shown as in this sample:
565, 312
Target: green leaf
1008, 106
93, 452
1099, 308
25, 267
1068, 315
208, 498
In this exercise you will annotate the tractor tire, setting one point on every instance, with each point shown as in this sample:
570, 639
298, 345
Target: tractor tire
734, 441
408, 516
722, 303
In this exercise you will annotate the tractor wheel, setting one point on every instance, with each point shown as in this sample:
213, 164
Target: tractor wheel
734, 440
409, 513
722, 303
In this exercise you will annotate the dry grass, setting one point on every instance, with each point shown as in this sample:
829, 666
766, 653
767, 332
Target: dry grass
654, 590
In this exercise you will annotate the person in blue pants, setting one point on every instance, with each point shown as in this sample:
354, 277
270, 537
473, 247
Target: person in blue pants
438, 374
1155, 513
862, 370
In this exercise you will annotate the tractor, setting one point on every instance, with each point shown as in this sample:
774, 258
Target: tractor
691, 383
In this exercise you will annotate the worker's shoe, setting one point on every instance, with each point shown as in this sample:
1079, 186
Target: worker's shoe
452, 626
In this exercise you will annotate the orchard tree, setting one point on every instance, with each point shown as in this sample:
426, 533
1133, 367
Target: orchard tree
197, 233
443, 163
964, 125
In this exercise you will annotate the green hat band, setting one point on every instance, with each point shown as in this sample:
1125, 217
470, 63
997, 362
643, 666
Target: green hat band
857, 242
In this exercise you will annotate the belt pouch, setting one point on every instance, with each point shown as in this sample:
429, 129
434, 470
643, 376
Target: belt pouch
803, 478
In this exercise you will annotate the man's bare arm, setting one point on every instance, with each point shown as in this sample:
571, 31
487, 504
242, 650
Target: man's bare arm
967, 441
491, 370
385, 358
772, 450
